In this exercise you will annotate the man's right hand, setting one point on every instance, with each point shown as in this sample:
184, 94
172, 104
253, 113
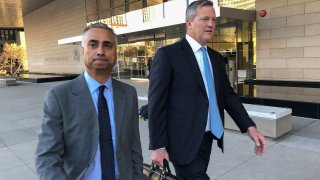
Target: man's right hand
158, 155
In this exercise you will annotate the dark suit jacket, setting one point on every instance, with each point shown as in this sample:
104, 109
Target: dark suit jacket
178, 102
69, 134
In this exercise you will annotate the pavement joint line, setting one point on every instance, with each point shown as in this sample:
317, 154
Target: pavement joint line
241, 163
6, 147
297, 148
314, 121
292, 133
278, 142
289, 141
250, 158
19, 156
4, 170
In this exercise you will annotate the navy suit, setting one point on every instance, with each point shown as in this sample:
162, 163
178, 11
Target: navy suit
178, 102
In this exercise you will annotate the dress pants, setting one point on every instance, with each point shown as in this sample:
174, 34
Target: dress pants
197, 169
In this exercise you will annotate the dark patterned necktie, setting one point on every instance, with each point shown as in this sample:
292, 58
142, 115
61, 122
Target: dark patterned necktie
105, 138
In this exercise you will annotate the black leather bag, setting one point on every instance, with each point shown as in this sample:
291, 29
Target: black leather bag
143, 112
153, 172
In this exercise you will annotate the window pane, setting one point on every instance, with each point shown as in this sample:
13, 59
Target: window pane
1, 35
91, 10
104, 9
6, 33
153, 2
134, 5
118, 7
117, 3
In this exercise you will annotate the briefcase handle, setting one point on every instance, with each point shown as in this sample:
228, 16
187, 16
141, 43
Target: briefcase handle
165, 169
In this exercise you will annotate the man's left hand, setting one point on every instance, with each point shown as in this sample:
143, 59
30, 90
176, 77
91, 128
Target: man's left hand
258, 139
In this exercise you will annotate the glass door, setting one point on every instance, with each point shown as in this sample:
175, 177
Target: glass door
245, 59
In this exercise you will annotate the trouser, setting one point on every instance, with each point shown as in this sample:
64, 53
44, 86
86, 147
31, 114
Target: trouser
197, 169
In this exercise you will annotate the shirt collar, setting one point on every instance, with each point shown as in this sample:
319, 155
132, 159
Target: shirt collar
194, 44
93, 85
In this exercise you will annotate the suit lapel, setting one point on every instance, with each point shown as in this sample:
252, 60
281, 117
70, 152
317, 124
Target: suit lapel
88, 114
192, 62
80, 88
119, 107
213, 59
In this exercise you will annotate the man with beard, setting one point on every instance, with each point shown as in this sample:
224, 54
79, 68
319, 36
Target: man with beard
90, 126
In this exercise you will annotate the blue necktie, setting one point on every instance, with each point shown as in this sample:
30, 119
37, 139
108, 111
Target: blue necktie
215, 118
105, 138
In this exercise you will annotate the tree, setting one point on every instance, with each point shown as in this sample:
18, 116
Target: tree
11, 59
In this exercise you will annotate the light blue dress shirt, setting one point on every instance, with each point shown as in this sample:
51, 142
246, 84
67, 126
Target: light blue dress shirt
94, 170
197, 52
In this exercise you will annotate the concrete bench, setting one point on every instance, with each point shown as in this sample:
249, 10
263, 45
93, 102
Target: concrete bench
8, 82
271, 121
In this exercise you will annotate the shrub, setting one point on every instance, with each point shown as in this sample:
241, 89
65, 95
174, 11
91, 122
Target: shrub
11, 59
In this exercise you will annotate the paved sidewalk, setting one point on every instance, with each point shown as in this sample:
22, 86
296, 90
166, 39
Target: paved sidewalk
295, 156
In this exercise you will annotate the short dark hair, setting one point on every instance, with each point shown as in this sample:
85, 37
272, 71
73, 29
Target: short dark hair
97, 25
191, 11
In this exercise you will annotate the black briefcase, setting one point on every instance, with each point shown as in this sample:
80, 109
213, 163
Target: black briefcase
153, 172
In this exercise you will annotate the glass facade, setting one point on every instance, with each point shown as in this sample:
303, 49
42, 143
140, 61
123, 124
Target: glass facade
102, 9
143, 26
238, 4
8, 36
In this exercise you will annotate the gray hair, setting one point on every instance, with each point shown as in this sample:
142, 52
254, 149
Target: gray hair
97, 25
191, 11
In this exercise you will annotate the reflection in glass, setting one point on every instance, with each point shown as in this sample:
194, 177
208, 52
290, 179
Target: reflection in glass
134, 5
153, 2
300, 94
134, 59
141, 27
238, 4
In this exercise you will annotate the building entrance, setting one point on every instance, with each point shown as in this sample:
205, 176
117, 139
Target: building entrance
235, 41
134, 59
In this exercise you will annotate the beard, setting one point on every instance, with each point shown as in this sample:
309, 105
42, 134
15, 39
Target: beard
100, 67
107, 68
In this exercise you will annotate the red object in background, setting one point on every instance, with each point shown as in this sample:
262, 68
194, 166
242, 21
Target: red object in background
262, 13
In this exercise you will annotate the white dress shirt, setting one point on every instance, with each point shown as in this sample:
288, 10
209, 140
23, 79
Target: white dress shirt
197, 52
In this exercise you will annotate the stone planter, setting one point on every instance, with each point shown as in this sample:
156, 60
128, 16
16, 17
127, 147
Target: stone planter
8, 81
271, 121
